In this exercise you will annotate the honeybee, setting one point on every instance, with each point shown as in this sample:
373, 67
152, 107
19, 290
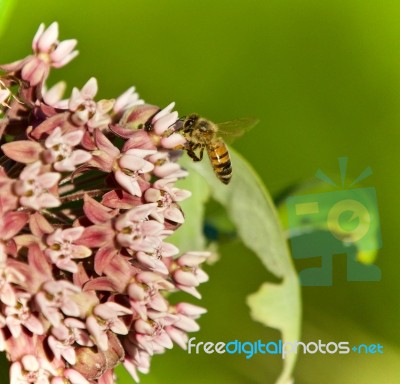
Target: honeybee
201, 134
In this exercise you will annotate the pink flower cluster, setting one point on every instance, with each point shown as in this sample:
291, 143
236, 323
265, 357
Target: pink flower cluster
87, 203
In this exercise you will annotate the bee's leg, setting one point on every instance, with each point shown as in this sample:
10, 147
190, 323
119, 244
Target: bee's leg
191, 152
179, 147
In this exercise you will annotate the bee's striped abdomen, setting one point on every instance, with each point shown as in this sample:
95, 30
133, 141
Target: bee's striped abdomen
220, 160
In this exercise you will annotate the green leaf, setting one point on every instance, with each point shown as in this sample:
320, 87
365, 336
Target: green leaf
5, 11
251, 209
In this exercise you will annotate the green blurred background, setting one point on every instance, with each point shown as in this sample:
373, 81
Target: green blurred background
324, 79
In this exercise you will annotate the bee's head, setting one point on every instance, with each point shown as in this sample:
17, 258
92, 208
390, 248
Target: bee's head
190, 121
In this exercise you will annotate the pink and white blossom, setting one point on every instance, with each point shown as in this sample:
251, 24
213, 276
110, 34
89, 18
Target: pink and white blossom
62, 250
132, 165
33, 187
86, 110
88, 202
136, 232
127, 100
60, 150
48, 53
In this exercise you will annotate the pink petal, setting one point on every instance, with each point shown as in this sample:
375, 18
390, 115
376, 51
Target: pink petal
185, 278
38, 263
70, 308
122, 101
30, 202
135, 163
15, 65
119, 327
140, 212
152, 263
72, 234
23, 151
202, 277
100, 284
164, 340
96, 236
128, 365
30, 171
151, 278
73, 138
95, 330
140, 152
39, 226
89, 90
103, 258
63, 49
64, 165
13, 222
96, 212
66, 59
80, 156
80, 251
168, 250
30, 363
127, 100
130, 184
181, 194
152, 195
47, 200
67, 265
174, 214
49, 179
75, 99
48, 125
187, 324
55, 93
168, 170
178, 336
54, 138
191, 310
7, 295
104, 144
193, 259
34, 325
4, 95
165, 122
110, 310
55, 237
14, 326
53, 316
190, 290
74, 377
142, 326
38, 34
159, 303
173, 141
48, 37
152, 227
164, 111
120, 199
36, 73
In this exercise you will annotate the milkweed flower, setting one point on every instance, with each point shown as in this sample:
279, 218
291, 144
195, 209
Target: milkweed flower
48, 52
88, 202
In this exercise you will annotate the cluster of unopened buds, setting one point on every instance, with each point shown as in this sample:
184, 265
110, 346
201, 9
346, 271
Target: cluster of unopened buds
87, 203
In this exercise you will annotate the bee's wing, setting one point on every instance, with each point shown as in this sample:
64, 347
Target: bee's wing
231, 130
